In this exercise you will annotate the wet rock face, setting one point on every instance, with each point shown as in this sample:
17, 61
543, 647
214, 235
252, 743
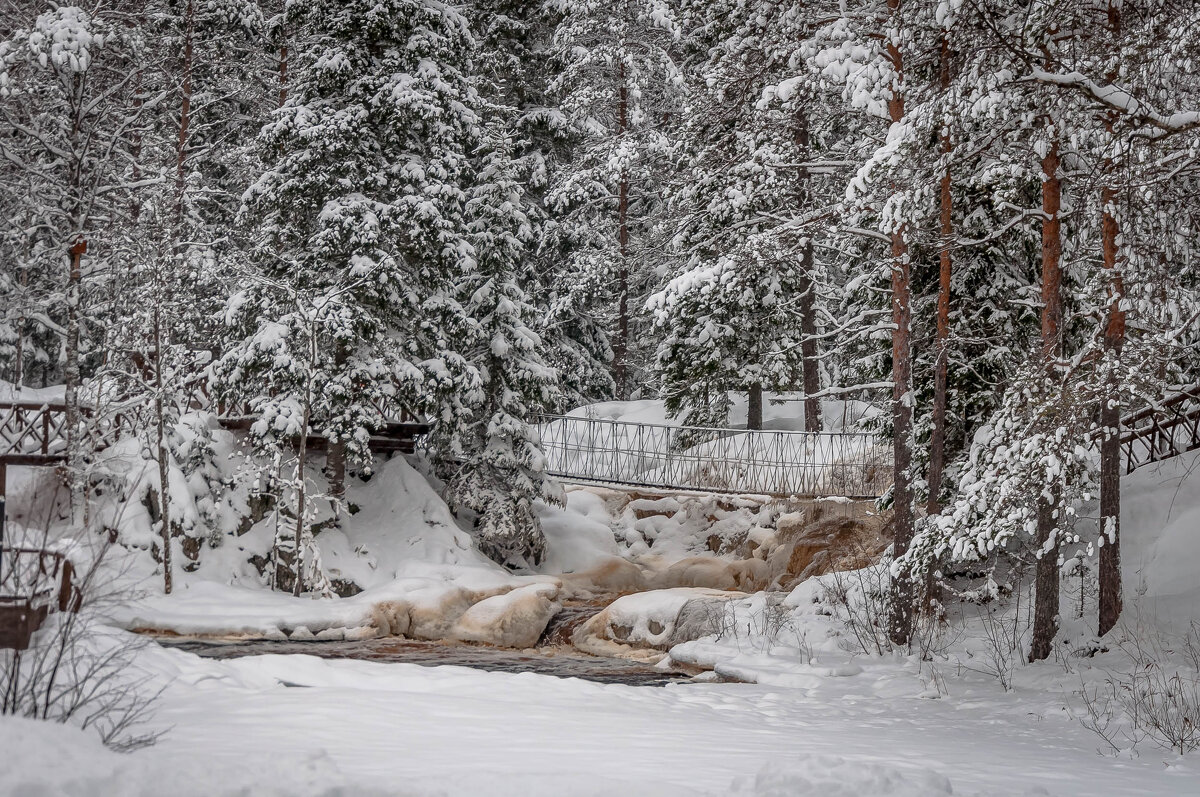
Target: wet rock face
561, 629
835, 543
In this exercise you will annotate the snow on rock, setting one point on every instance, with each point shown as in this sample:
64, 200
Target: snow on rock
655, 619
609, 576
578, 536
424, 601
834, 776
515, 619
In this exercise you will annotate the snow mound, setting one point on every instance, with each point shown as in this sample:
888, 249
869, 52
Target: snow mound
833, 776
515, 619
12, 392
1160, 516
400, 519
656, 619
578, 536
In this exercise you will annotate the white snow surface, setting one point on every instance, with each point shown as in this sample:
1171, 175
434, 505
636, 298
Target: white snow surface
298, 725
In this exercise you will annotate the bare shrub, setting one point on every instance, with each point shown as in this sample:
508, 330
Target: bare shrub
1154, 699
1002, 639
72, 670
859, 599
757, 627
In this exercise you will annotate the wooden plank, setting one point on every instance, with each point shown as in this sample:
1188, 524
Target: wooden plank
33, 460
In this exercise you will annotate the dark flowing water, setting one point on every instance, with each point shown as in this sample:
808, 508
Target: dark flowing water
546, 661
562, 626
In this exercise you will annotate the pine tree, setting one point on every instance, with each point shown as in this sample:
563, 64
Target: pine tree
617, 86
738, 312
515, 63
501, 474
358, 230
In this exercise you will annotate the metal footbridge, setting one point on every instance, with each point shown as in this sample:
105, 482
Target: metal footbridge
855, 465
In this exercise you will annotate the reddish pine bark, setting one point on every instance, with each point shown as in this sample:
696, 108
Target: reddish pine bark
901, 603
937, 442
1045, 613
1110, 412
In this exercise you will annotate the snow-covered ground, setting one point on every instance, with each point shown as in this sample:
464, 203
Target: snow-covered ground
296, 725
809, 717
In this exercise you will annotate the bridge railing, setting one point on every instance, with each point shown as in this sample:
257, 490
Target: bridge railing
1165, 430
767, 462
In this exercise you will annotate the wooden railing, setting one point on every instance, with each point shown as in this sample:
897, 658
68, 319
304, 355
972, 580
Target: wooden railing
33, 433
1167, 429
33, 583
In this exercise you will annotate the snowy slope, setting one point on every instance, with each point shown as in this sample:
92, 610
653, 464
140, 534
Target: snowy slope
1160, 537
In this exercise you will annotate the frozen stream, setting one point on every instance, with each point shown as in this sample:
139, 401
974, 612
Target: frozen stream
557, 661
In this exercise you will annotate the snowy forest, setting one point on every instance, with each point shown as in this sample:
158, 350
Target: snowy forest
305, 303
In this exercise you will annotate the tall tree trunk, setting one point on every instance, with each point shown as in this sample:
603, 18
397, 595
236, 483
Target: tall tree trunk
937, 441
1110, 411
809, 362
1045, 612
901, 602
335, 454
72, 376
135, 138
164, 480
283, 61
301, 461
185, 110
621, 344
19, 365
754, 406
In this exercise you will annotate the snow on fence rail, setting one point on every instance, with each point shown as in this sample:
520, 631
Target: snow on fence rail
849, 464
1164, 430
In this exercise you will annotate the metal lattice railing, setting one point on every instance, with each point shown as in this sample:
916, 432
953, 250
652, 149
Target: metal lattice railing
849, 464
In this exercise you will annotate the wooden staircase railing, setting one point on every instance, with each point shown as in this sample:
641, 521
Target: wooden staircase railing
1168, 429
